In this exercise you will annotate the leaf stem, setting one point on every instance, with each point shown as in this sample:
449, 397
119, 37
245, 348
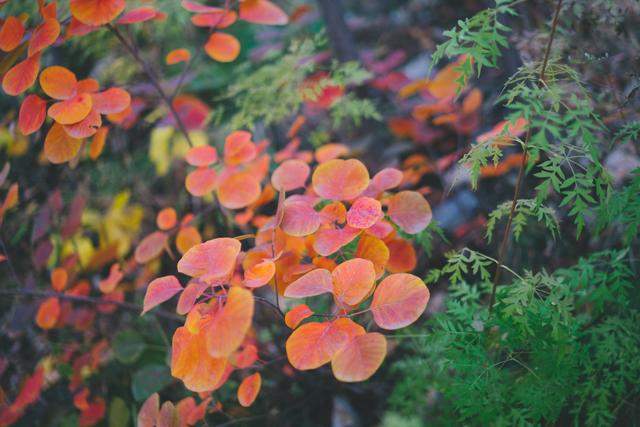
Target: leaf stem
523, 165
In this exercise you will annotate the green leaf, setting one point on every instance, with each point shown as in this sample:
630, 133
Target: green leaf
128, 345
148, 380
118, 413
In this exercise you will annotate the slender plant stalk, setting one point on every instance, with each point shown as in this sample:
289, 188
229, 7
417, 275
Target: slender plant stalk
523, 165
153, 79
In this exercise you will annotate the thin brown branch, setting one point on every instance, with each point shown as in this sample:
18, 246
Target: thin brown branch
153, 79
523, 165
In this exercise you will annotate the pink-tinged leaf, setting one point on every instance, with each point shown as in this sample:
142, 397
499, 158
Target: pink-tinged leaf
177, 55
22, 76
296, 315
140, 14
290, 175
203, 155
196, 7
159, 291
201, 181
238, 190
410, 211
150, 247
314, 344
262, 12
364, 213
220, 20
329, 240
399, 300
315, 282
212, 261
340, 179
33, 111
86, 127
387, 179
149, 411
109, 284
189, 296
259, 274
360, 358
11, 34
44, 36
111, 101
353, 280
300, 219
238, 148
249, 389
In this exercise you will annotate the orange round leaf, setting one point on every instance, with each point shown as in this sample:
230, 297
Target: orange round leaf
262, 12
33, 112
290, 175
203, 155
227, 330
340, 179
44, 36
111, 101
72, 110
58, 82
201, 181
259, 274
22, 76
48, 313
402, 256
191, 362
159, 291
238, 190
150, 247
59, 147
315, 282
353, 280
166, 219
187, 238
296, 315
177, 55
387, 178
238, 148
375, 250
399, 300
360, 358
222, 47
410, 211
212, 261
96, 12
86, 127
11, 34
300, 219
249, 389
59, 279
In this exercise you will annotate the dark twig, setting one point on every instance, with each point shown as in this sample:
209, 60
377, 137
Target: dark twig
153, 79
523, 165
